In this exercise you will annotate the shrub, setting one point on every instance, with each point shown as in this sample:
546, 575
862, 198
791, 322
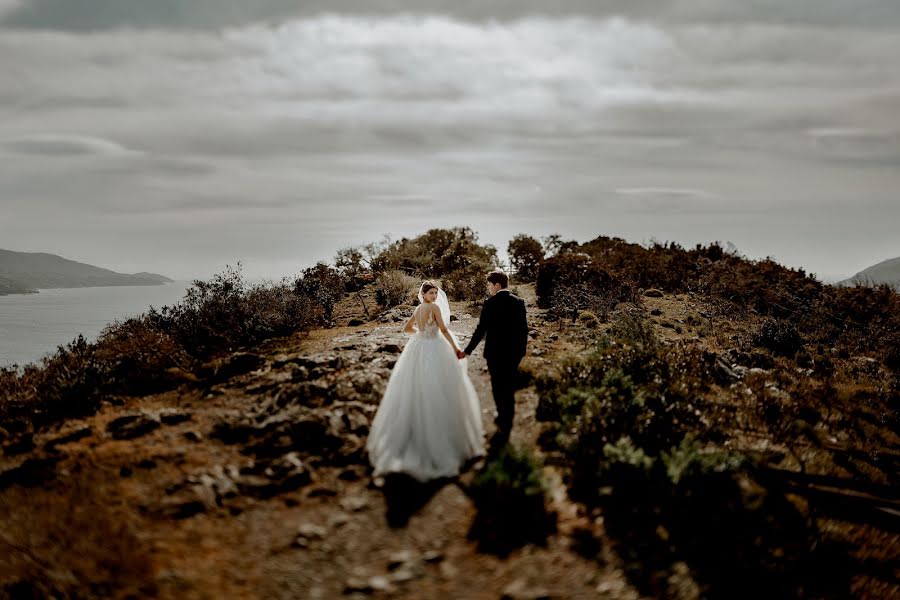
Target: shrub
611, 412
892, 352
67, 383
324, 287
779, 337
136, 357
226, 313
436, 253
686, 461
466, 284
624, 452
588, 319
393, 288
12, 392
510, 497
570, 282
708, 509
636, 331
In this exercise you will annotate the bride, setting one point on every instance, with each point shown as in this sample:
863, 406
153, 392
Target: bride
429, 421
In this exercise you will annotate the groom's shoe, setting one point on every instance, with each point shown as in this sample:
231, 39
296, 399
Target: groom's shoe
504, 424
497, 442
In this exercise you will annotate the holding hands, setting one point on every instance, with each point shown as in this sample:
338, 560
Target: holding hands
460, 354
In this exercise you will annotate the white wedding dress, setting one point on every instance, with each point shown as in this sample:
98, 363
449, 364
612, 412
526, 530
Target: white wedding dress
429, 420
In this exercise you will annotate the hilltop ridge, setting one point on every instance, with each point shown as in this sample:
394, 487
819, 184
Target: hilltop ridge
25, 272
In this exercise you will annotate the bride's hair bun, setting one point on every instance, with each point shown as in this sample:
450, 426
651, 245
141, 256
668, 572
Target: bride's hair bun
427, 286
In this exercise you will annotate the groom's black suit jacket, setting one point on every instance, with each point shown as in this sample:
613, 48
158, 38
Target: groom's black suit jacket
503, 322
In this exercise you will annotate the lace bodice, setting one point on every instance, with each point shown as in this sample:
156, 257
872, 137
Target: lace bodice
427, 326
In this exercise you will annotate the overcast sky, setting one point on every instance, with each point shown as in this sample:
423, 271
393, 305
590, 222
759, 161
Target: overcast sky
178, 136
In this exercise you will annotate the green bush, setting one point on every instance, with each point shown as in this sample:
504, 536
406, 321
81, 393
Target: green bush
393, 288
436, 253
588, 319
467, 284
708, 509
636, 331
510, 497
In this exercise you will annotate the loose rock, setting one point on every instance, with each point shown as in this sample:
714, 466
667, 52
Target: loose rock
72, 436
354, 503
131, 426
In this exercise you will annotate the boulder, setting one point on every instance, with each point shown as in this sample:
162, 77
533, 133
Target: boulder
131, 426
187, 503
234, 365
177, 376
170, 416
724, 373
69, 437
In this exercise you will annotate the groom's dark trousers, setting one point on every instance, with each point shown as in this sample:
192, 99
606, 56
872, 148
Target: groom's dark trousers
504, 326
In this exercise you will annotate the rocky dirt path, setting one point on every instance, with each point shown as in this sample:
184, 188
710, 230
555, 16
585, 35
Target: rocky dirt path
255, 484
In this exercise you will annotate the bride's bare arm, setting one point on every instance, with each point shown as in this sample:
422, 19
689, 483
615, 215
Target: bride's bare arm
408, 328
443, 327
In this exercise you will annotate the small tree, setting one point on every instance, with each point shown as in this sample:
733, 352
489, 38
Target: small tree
525, 256
555, 245
323, 284
436, 253
354, 266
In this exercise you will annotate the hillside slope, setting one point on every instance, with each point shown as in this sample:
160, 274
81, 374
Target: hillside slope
887, 271
23, 271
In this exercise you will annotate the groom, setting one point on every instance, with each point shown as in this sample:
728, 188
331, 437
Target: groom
503, 321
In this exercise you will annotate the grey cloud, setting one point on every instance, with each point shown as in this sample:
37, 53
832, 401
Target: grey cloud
283, 143
678, 201
665, 193
88, 15
92, 15
188, 206
62, 145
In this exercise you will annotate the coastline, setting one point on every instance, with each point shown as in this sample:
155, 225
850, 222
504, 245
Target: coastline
33, 325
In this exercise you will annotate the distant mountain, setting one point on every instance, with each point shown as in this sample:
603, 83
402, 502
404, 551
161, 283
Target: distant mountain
887, 271
24, 272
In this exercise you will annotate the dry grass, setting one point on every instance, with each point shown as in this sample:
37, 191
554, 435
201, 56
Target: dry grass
76, 542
